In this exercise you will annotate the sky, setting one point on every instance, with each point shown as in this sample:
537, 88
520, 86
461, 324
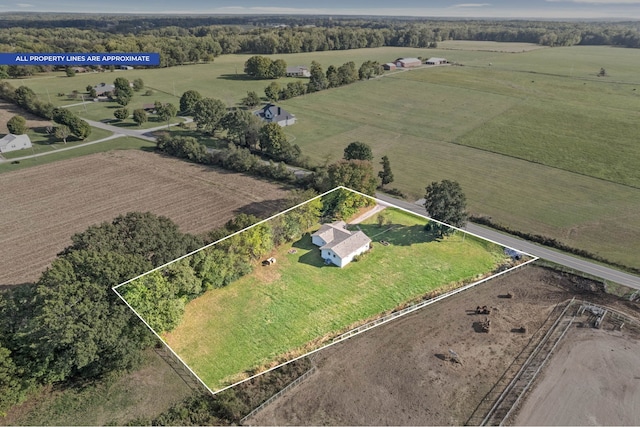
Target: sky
547, 9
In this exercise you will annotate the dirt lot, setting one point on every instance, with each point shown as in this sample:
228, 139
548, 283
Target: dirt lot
8, 110
576, 387
43, 206
397, 374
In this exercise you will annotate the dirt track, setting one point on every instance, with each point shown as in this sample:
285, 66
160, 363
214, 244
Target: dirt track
396, 374
43, 206
593, 379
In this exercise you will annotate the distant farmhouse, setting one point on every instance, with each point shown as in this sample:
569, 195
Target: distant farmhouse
298, 71
273, 114
104, 89
338, 245
407, 62
436, 61
13, 142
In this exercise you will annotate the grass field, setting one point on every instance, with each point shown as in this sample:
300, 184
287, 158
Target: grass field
278, 310
538, 141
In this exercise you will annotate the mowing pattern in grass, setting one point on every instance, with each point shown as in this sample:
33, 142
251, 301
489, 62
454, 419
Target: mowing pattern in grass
278, 310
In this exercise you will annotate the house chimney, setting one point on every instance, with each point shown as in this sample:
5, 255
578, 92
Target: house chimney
278, 110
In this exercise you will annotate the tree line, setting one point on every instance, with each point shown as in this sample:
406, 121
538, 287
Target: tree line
345, 74
69, 122
188, 41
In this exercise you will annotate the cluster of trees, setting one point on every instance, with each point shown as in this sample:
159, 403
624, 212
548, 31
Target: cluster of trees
319, 80
261, 67
355, 170
196, 39
26, 98
70, 324
160, 296
69, 123
243, 128
234, 158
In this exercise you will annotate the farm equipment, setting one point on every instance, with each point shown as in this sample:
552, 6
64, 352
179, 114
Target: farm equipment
485, 325
483, 310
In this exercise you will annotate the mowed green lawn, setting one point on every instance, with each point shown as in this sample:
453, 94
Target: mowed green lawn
277, 310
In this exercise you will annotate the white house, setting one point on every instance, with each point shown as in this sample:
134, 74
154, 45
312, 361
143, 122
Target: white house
339, 245
273, 114
298, 71
13, 142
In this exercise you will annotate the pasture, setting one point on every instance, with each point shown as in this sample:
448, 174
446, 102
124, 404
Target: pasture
550, 151
538, 141
44, 205
291, 307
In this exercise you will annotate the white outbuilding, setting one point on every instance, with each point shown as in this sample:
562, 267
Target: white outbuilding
13, 142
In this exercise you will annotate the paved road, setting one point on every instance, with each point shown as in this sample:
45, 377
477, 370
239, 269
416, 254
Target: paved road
136, 133
540, 251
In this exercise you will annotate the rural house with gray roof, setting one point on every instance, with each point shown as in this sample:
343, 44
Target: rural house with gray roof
273, 114
338, 245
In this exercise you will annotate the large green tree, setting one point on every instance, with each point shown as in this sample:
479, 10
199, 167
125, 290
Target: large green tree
445, 201
123, 91
385, 175
166, 112
121, 113
318, 79
208, 113
355, 174
140, 116
251, 100
243, 128
262, 67
188, 100
62, 132
358, 151
17, 125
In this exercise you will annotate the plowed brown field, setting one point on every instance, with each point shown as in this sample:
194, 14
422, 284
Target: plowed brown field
42, 207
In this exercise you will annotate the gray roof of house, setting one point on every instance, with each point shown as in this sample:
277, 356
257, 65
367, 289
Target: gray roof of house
349, 244
330, 232
276, 113
104, 87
